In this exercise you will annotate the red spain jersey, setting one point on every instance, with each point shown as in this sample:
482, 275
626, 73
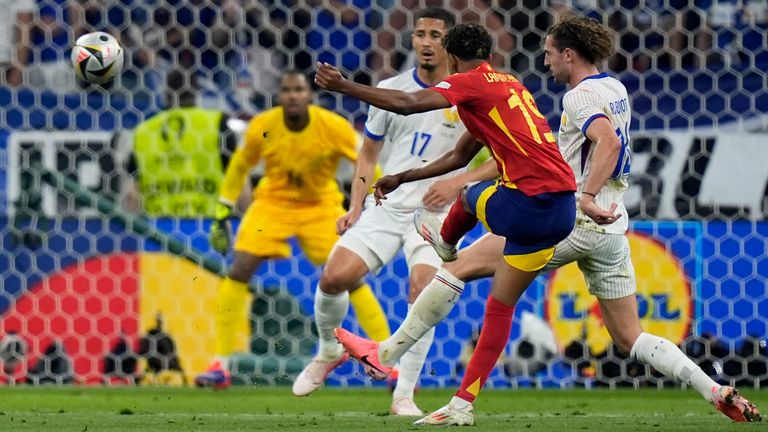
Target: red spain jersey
498, 110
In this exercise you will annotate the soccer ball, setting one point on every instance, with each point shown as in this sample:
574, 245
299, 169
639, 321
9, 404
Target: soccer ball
97, 57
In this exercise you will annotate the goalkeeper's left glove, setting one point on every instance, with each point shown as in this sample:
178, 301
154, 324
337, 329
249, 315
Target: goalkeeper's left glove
220, 235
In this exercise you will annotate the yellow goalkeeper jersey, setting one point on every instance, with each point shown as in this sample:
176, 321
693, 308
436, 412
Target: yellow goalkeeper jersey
299, 167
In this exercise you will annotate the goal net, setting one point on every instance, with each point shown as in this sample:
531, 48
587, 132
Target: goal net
96, 292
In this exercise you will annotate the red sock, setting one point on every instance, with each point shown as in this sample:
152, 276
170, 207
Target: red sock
494, 336
457, 223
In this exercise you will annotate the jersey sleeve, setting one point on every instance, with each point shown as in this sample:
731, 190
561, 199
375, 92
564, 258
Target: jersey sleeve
347, 140
376, 123
245, 157
252, 141
458, 88
582, 107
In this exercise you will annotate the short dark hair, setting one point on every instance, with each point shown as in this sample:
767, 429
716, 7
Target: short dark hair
295, 72
438, 13
590, 39
468, 42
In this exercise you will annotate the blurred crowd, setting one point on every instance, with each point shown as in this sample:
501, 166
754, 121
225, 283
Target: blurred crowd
237, 48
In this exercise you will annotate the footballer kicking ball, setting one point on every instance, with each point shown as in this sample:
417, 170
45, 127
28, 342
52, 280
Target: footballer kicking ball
97, 57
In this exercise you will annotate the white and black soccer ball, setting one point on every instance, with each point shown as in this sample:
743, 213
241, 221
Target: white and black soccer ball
97, 57
534, 349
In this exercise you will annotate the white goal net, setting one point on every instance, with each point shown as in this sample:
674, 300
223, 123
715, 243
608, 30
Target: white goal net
93, 293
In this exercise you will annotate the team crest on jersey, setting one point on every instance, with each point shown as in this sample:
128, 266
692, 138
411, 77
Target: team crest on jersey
450, 117
563, 121
663, 296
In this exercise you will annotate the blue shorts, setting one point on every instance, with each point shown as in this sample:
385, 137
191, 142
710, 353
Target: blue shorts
532, 225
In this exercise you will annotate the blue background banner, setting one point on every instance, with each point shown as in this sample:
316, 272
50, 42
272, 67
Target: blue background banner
725, 265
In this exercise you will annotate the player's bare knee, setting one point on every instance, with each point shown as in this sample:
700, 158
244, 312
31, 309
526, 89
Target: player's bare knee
238, 275
466, 268
420, 276
416, 286
335, 281
243, 267
460, 268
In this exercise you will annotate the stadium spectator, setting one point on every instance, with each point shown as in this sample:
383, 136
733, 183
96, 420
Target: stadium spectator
249, 65
736, 31
179, 155
301, 145
597, 111
15, 39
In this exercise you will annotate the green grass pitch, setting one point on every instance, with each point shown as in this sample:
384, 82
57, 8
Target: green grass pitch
58, 409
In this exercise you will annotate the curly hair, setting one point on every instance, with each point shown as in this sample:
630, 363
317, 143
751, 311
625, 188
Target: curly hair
586, 36
468, 42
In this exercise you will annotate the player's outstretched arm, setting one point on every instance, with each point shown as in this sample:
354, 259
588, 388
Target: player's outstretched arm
466, 148
396, 101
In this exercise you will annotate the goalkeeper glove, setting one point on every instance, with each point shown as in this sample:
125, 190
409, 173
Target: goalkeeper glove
220, 235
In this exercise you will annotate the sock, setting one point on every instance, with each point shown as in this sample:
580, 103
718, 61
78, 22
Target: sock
369, 313
223, 362
432, 305
666, 357
330, 311
460, 403
497, 324
457, 223
231, 316
411, 364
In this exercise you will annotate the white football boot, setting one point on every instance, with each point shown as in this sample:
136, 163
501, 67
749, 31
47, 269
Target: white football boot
314, 374
405, 406
428, 226
449, 415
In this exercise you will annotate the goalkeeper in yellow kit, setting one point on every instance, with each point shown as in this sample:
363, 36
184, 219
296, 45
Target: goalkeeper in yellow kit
301, 145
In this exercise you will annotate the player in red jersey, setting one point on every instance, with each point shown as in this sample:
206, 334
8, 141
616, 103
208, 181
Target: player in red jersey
532, 206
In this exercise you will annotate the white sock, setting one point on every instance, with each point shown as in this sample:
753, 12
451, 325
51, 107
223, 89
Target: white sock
432, 305
666, 357
411, 364
460, 403
330, 311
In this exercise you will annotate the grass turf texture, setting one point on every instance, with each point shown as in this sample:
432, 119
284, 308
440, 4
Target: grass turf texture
55, 409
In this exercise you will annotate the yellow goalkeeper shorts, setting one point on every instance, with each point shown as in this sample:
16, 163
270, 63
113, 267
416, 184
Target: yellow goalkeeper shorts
267, 225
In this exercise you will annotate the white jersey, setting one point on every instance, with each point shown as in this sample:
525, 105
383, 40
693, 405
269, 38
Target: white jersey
597, 96
412, 141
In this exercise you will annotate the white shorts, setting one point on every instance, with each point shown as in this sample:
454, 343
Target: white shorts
604, 259
381, 232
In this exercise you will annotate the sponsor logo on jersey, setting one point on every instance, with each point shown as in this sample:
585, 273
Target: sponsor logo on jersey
663, 293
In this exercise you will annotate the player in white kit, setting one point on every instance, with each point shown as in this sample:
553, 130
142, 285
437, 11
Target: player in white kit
594, 140
372, 235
